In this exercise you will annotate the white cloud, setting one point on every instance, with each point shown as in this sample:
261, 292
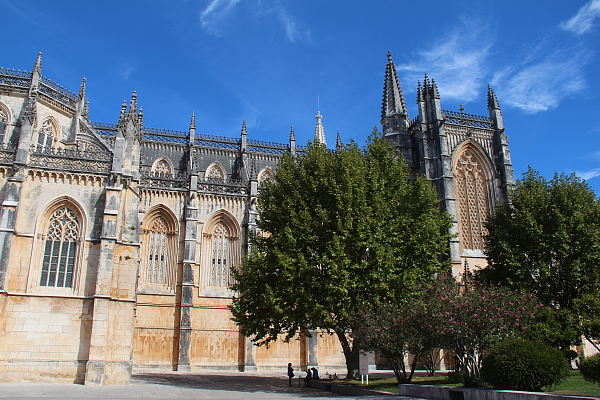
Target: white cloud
583, 21
294, 30
587, 175
540, 84
456, 62
218, 15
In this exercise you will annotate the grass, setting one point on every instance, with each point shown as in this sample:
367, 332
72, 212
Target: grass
575, 385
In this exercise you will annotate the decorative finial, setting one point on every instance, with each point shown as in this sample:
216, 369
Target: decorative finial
419, 92
82, 87
338, 142
193, 121
37, 68
141, 116
244, 132
492, 99
434, 89
389, 56
133, 103
123, 112
319, 131
462, 109
292, 134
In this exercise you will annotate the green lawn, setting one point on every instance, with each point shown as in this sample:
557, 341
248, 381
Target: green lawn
575, 385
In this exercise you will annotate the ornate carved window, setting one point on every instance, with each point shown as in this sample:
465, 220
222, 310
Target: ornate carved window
472, 199
159, 241
162, 167
46, 134
60, 249
265, 175
3, 124
219, 272
215, 172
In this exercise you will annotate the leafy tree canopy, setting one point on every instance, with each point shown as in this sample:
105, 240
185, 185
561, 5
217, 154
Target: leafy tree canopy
546, 240
337, 231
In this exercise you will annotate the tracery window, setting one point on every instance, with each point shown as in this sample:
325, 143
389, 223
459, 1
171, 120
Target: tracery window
472, 199
215, 172
46, 134
3, 124
60, 249
162, 167
265, 175
158, 259
219, 273
157, 249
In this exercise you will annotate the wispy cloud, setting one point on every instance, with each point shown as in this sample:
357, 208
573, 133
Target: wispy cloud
217, 16
456, 62
125, 70
539, 84
294, 30
587, 175
583, 21
536, 80
214, 16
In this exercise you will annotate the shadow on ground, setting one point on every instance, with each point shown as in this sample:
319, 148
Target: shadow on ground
247, 383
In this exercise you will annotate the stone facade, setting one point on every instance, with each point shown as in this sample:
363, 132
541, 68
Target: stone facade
465, 157
117, 240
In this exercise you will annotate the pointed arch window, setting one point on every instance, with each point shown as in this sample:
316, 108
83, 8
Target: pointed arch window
163, 167
159, 241
3, 124
215, 172
46, 135
472, 199
157, 253
219, 273
264, 176
60, 248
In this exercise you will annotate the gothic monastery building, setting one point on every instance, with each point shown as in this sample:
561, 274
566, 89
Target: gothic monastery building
117, 241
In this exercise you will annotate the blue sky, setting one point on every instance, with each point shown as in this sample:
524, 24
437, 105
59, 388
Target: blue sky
267, 61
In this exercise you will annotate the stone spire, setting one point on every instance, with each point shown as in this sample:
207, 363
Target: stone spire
82, 87
393, 98
338, 142
244, 141
292, 141
319, 131
192, 130
37, 68
492, 99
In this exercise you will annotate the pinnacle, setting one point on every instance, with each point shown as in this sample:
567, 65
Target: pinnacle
38, 64
393, 98
292, 134
244, 132
193, 121
492, 99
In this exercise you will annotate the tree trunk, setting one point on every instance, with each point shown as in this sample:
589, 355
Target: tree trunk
351, 353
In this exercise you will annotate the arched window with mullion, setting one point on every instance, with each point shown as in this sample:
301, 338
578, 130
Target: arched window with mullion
60, 249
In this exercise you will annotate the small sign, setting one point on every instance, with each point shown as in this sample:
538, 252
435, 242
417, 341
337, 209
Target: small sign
363, 363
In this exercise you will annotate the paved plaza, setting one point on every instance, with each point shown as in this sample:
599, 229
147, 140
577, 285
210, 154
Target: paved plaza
174, 385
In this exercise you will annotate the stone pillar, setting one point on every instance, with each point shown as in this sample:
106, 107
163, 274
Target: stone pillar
250, 361
8, 212
187, 284
313, 347
95, 369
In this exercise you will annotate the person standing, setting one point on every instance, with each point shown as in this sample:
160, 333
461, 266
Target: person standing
290, 373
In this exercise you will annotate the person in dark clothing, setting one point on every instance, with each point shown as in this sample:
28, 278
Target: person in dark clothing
290, 373
315, 373
308, 377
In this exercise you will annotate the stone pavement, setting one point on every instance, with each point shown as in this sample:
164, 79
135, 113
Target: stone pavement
179, 385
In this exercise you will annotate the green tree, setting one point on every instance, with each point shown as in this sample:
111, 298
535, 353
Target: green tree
546, 241
338, 231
